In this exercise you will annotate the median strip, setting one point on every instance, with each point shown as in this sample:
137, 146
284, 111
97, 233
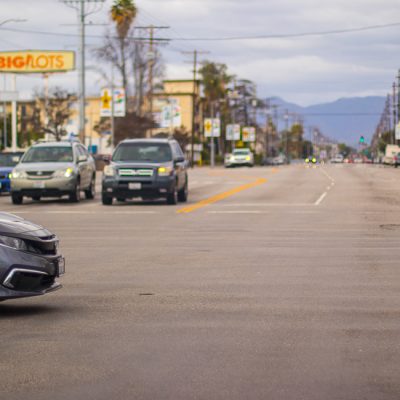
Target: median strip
221, 196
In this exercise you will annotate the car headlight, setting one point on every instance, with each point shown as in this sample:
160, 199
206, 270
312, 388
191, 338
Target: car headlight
64, 173
248, 158
165, 171
18, 174
14, 243
109, 170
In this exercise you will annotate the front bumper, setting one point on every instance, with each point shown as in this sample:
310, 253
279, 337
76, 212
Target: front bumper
25, 274
54, 187
118, 187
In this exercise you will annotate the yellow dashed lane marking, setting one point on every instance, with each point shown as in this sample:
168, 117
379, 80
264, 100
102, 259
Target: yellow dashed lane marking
221, 196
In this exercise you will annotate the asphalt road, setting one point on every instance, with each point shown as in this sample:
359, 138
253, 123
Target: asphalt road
282, 283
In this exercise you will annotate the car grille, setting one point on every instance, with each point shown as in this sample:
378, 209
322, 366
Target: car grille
40, 173
30, 281
135, 172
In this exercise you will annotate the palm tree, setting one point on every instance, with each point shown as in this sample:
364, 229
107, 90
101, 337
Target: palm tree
123, 13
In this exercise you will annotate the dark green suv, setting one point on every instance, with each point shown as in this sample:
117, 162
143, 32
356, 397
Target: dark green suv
146, 168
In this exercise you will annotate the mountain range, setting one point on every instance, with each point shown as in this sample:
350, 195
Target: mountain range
344, 120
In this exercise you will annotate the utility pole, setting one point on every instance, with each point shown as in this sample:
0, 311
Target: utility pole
398, 100
84, 9
195, 54
151, 58
286, 117
394, 112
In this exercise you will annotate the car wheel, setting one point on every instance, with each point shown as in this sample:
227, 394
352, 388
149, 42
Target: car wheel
184, 193
75, 195
36, 198
106, 200
90, 193
172, 198
16, 198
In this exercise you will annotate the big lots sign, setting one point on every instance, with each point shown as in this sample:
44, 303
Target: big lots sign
36, 61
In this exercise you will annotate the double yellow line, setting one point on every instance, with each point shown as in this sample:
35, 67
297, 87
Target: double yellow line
221, 196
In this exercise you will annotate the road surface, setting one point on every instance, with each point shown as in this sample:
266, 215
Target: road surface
271, 283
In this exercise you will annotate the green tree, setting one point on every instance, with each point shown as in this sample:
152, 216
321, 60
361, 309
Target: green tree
123, 14
215, 80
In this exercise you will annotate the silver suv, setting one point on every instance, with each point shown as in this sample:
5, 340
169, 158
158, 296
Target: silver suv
54, 169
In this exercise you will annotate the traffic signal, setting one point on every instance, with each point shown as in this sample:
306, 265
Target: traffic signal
362, 139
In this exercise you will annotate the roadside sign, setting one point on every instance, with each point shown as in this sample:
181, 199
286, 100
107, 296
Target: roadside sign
36, 61
398, 131
105, 109
171, 116
249, 134
119, 103
212, 127
233, 132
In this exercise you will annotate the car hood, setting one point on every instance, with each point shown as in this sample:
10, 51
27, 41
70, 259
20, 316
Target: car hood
49, 166
12, 225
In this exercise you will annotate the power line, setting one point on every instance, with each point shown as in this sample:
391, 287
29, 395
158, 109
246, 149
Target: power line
221, 39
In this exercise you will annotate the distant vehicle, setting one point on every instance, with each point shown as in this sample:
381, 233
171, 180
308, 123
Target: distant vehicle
396, 160
239, 157
390, 152
311, 160
146, 168
339, 159
358, 160
279, 160
54, 169
30, 259
7, 162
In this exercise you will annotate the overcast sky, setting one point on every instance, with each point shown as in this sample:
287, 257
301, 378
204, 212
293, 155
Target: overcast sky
305, 70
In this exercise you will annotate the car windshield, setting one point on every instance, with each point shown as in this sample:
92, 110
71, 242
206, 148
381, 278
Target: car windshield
9, 159
241, 152
143, 152
48, 154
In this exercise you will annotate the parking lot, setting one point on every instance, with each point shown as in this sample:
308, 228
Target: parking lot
280, 282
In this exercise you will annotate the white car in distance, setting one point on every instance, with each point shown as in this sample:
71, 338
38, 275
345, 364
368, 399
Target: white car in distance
239, 157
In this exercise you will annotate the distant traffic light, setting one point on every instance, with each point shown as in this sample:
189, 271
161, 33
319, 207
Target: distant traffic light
362, 139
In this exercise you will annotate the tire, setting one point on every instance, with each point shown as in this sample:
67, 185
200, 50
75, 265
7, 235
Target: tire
90, 193
172, 198
16, 198
106, 200
75, 195
36, 198
184, 193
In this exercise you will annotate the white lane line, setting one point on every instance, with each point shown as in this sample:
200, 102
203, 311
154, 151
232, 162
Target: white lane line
321, 199
264, 205
87, 212
237, 212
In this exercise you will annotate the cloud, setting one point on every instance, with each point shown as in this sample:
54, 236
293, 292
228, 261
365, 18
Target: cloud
306, 70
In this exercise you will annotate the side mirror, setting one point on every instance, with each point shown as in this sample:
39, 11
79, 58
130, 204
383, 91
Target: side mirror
106, 159
82, 158
179, 160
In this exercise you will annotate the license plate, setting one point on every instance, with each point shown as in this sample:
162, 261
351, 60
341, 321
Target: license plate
61, 266
134, 186
39, 185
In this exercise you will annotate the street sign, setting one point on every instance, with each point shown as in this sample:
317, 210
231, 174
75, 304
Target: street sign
106, 107
119, 103
8, 96
249, 134
212, 127
171, 116
36, 61
233, 132
398, 131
